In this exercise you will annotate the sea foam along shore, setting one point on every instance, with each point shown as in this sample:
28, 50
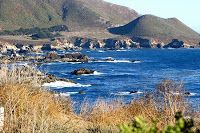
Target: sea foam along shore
127, 93
63, 84
66, 94
114, 61
96, 73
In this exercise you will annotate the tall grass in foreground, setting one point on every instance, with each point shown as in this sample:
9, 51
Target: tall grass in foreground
160, 108
28, 107
31, 108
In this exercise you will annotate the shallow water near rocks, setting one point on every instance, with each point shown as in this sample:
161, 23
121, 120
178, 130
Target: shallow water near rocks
116, 79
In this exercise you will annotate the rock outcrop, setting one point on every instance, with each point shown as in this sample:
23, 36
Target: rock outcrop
175, 44
71, 57
143, 43
51, 78
79, 43
11, 56
82, 71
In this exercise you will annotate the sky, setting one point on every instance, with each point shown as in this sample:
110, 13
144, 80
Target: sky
188, 11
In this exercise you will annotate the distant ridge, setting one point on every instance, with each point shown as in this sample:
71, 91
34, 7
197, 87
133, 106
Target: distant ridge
155, 27
76, 14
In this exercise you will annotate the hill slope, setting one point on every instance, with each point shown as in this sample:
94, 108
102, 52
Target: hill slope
76, 14
154, 27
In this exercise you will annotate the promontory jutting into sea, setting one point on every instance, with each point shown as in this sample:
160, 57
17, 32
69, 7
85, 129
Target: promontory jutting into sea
92, 66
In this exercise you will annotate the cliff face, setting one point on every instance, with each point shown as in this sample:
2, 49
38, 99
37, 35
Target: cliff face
78, 43
76, 14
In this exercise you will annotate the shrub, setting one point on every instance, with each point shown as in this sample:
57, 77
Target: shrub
38, 33
181, 125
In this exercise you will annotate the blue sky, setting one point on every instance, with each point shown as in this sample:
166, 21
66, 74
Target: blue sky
188, 11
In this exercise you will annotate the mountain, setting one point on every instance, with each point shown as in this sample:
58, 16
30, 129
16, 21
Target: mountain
76, 14
150, 26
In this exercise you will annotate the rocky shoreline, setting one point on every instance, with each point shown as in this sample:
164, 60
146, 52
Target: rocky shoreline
79, 43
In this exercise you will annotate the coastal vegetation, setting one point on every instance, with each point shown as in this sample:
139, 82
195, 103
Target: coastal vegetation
32, 108
37, 33
105, 23
76, 14
45, 42
150, 26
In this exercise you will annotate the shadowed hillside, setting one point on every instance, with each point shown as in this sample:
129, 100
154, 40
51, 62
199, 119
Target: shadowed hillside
76, 14
155, 27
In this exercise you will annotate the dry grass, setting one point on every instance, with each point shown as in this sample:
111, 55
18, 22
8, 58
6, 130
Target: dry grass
159, 107
99, 34
29, 108
11, 74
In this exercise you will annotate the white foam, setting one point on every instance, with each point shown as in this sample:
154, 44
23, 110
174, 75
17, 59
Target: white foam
170, 48
126, 93
193, 94
52, 63
122, 61
112, 60
136, 62
95, 74
63, 84
25, 64
101, 51
115, 61
122, 50
66, 94
74, 62
108, 58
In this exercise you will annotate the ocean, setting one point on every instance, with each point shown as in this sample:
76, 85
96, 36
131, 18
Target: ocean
113, 80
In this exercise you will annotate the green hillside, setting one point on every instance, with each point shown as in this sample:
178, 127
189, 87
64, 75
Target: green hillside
76, 14
155, 27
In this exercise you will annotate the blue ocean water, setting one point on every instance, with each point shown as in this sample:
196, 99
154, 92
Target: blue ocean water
116, 79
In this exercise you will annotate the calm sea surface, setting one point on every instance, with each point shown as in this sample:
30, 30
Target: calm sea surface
116, 79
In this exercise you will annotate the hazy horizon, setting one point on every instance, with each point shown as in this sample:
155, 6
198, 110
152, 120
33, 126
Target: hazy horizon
183, 10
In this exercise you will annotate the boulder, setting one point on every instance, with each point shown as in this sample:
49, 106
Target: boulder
46, 47
35, 48
75, 57
159, 45
109, 59
52, 56
3, 48
81, 92
51, 78
24, 50
143, 43
19, 45
82, 71
134, 61
133, 92
187, 93
175, 44
110, 43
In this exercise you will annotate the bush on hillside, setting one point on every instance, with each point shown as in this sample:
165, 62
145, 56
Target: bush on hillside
38, 33
181, 125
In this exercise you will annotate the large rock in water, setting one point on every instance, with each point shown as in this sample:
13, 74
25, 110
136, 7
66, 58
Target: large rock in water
71, 57
143, 43
75, 57
175, 44
82, 71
